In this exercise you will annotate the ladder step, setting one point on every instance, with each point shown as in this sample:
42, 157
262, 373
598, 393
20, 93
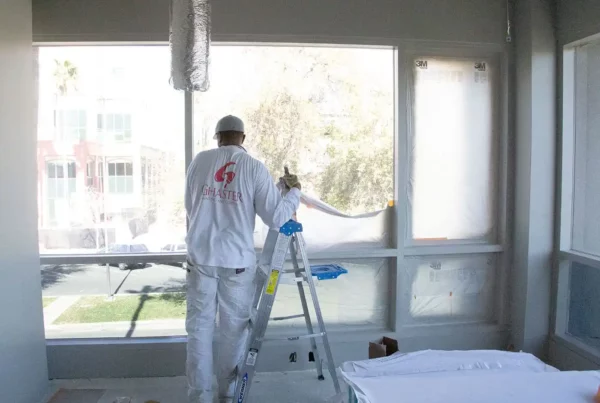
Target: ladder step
292, 338
301, 315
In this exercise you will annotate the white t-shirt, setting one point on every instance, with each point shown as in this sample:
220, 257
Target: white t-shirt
225, 189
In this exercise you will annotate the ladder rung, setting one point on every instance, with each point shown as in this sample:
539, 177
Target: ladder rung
301, 315
304, 336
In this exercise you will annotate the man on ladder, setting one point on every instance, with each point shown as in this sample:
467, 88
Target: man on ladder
225, 189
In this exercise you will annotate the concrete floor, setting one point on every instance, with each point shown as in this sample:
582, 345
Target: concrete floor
276, 387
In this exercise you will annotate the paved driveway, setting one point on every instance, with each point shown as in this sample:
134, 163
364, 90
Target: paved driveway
60, 280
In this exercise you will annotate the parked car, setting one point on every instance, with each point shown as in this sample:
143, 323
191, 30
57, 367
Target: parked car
127, 248
175, 247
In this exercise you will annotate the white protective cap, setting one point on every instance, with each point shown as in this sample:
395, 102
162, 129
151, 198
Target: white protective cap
229, 123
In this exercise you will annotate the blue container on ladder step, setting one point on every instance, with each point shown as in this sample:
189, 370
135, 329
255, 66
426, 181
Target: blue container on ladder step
327, 271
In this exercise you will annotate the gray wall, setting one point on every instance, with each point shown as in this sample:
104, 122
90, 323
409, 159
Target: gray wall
577, 19
23, 368
481, 21
535, 175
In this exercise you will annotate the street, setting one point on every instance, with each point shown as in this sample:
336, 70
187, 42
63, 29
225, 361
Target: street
91, 279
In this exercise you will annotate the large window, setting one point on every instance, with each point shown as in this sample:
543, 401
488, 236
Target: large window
117, 103
578, 300
328, 114
586, 191
400, 158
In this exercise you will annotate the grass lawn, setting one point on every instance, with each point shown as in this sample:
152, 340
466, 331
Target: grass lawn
125, 308
48, 300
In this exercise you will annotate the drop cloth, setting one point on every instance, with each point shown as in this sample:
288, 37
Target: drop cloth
375, 381
492, 386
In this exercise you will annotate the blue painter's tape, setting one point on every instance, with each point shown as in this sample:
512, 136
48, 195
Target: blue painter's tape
327, 271
290, 227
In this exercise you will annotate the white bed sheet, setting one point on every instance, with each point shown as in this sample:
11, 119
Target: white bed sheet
484, 386
373, 381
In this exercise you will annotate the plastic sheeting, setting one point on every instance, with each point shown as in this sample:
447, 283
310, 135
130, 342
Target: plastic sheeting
450, 289
359, 298
586, 191
483, 386
190, 44
327, 228
453, 173
431, 363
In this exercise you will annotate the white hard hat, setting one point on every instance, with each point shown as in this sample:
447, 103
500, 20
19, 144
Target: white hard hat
229, 123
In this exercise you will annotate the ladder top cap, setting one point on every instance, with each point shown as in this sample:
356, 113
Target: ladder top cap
290, 227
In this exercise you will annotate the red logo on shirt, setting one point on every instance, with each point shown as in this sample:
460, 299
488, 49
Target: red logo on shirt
223, 176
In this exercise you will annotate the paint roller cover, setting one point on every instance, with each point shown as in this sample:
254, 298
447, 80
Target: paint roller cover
190, 44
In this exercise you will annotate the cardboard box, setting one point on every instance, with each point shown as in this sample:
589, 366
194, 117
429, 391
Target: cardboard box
383, 348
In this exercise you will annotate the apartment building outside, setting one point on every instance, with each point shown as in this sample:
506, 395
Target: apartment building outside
105, 157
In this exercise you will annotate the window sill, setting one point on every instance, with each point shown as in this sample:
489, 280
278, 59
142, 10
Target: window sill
582, 258
578, 347
336, 334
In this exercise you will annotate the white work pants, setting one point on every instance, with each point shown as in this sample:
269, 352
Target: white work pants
232, 291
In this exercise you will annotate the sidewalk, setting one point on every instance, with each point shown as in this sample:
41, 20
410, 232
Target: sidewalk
151, 328
58, 307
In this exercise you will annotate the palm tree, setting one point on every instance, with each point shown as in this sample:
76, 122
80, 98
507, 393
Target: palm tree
65, 76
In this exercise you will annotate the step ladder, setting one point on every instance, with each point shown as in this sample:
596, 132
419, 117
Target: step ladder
269, 273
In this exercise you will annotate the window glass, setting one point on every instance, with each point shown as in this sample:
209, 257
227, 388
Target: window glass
120, 169
60, 191
328, 114
90, 173
584, 304
71, 170
139, 248
120, 249
114, 126
51, 170
79, 97
71, 125
453, 150
586, 191
448, 289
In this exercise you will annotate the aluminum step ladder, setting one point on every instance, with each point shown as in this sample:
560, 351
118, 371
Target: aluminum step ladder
269, 273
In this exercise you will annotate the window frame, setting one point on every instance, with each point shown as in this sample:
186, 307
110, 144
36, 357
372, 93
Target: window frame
397, 251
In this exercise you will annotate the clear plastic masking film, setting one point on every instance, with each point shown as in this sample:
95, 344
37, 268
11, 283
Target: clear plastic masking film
453, 150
